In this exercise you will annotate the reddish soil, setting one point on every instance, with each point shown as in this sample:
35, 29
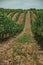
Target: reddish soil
40, 54
20, 18
27, 27
14, 17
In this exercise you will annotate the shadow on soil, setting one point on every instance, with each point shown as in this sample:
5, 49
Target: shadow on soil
39, 40
3, 40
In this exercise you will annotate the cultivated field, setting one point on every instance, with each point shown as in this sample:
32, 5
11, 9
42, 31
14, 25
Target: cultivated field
21, 37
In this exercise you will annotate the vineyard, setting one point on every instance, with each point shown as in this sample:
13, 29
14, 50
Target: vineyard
21, 35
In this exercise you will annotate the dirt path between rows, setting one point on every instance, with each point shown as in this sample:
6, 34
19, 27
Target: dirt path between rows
14, 17
20, 18
27, 27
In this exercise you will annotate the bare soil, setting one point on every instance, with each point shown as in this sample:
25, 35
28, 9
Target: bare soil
14, 17
20, 18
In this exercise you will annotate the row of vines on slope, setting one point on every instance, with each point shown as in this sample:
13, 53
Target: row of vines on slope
37, 25
9, 27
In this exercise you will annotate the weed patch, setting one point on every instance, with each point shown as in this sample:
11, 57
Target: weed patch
25, 38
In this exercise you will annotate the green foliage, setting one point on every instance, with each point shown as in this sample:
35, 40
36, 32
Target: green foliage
37, 25
7, 26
